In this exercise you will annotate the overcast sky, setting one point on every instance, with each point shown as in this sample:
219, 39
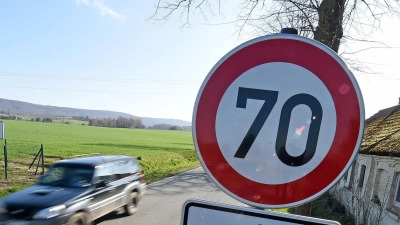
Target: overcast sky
105, 55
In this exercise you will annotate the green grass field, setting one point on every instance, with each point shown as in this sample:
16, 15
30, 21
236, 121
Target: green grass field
162, 153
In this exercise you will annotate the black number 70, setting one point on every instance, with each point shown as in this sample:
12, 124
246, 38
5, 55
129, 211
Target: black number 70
270, 98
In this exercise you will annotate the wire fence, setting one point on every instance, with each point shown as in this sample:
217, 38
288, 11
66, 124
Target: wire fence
20, 166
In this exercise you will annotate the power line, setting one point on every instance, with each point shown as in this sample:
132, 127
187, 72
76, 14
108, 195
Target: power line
94, 91
103, 79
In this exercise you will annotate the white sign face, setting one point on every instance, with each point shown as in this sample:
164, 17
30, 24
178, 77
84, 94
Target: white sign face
197, 212
261, 162
1, 130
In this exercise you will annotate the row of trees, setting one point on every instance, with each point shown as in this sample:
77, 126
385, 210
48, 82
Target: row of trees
161, 126
120, 122
10, 117
164, 126
47, 120
37, 119
81, 118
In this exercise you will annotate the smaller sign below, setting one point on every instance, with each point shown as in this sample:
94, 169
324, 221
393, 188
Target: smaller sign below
1, 130
196, 211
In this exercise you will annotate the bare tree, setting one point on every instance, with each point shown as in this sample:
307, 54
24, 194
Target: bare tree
331, 22
137, 123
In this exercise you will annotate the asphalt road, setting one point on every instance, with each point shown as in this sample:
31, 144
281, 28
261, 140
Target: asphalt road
162, 203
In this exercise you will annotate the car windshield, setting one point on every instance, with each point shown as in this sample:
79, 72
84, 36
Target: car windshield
68, 177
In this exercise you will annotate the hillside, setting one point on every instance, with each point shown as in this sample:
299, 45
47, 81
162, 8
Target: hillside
25, 108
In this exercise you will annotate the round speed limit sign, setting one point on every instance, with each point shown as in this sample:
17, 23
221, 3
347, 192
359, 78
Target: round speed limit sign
278, 121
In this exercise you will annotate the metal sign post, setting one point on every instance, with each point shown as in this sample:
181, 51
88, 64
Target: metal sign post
5, 159
1, 130
5, 149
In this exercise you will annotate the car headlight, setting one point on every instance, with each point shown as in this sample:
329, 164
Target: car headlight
49, 212
3, 207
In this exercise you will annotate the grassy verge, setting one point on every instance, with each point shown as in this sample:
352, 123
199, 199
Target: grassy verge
160, 153
327, 207
284, 210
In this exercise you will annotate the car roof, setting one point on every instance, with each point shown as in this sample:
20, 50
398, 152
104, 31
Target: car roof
93, 160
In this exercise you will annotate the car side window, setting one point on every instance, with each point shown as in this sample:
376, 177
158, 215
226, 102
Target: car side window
115, 171
105, 173
120, 171
132, 167
126, 168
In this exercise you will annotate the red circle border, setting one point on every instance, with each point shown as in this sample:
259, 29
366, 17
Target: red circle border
348, 126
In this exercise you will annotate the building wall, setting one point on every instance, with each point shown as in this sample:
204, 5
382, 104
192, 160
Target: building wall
371, 200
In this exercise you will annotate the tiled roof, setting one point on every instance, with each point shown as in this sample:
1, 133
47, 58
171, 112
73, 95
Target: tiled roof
382, 133
381, 113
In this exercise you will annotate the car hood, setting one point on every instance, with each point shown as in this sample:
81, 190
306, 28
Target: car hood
42, 196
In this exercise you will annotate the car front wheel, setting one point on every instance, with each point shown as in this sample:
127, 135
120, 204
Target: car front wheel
132, 204
79, 219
